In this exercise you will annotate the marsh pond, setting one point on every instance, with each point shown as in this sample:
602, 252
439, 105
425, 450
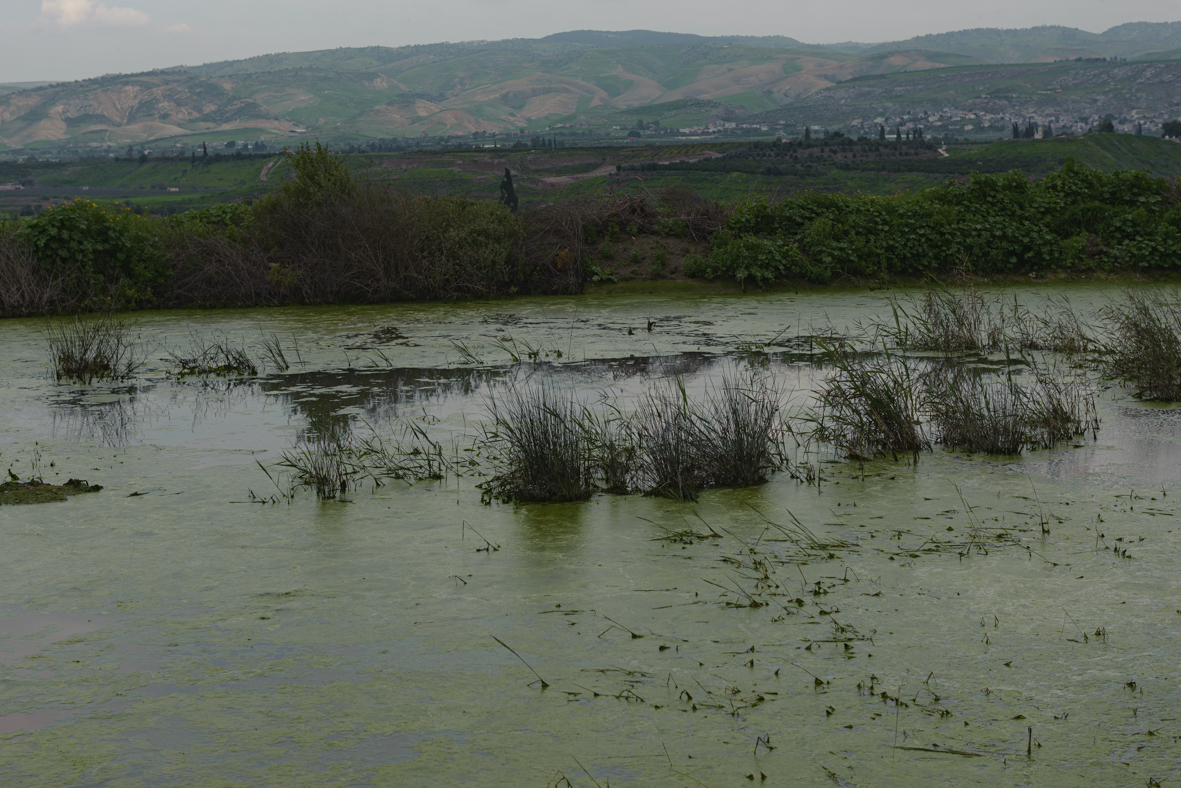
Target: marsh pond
319, 565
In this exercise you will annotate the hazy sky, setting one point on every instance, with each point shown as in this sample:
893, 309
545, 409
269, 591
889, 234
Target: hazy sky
72, 39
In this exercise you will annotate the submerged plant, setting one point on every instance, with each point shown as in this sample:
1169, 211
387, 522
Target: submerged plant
97, 347
1144, 345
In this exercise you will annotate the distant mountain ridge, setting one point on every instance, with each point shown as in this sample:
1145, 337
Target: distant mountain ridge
515, 84
1050, 42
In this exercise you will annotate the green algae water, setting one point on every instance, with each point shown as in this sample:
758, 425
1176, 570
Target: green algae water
963, 620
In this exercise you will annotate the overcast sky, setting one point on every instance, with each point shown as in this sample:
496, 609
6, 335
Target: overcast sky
72, 39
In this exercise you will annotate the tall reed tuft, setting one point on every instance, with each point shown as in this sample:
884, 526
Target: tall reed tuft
947, 321
1144, 343
92, 348
326, 459
870, 407
732, 437
539, 448
980, 411
670, 464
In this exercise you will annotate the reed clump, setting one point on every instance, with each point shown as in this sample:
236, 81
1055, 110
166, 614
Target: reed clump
539, 448
670, 463
326, 459
871, 406
1143, 348
947, 321
86, 349
979, 411
1055, 326
409, 456
548, 446
731, 437
944, 320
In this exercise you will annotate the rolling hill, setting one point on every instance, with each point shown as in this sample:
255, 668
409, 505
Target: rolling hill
1048, 43
596, 81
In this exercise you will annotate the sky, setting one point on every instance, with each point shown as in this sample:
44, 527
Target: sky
59, 40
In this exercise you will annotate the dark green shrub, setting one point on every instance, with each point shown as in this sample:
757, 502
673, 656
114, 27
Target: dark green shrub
672, 228
990, 223
749, 257
230, 219
98, 252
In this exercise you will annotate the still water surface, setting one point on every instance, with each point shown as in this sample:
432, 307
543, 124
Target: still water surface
170, 631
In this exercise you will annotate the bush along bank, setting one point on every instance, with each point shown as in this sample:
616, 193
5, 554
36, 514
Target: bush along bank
1076, 218
329, 236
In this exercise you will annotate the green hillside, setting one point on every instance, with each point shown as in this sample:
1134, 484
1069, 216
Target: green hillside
1107, 152
1074, 93
718, 170
1048, 43
594, 85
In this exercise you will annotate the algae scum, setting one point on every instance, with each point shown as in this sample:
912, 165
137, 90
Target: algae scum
959, 620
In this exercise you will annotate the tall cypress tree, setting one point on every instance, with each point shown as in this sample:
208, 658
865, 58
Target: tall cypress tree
898, 134
881, 133
807, 133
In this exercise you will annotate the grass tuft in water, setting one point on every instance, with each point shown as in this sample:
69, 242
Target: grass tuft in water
1144, 348
979, 411
326, 459
947, 321
733, 437
85, 349
870, 407
412, 457
670, 464
273, 349
1055, 326
539, 448
222, 357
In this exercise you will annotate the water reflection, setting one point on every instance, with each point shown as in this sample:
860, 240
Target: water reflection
112, 424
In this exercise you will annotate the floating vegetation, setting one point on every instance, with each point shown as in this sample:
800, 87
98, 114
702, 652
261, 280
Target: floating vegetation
222, 357
97, 347
32, 491
871, 407
1144, 345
